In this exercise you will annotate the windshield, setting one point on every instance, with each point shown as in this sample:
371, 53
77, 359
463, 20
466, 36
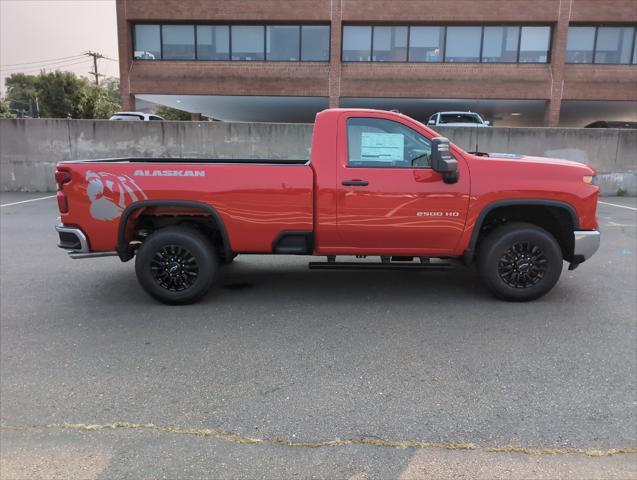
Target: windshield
459, 118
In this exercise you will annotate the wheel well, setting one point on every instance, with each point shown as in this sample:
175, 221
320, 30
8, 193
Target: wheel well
556, 220
141, 221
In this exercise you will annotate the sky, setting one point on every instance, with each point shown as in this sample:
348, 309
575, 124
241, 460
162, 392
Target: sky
53, 34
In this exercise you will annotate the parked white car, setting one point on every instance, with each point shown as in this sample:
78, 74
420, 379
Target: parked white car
458, 119
135, 116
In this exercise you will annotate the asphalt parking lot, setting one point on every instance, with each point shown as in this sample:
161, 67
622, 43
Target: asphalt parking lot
283, 372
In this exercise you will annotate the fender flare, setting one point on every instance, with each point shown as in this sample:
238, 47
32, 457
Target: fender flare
122, 247
469, 252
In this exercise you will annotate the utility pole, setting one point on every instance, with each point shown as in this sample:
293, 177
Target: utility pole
95, 56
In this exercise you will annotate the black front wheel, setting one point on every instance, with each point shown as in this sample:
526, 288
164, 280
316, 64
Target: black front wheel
176, 265
520, 262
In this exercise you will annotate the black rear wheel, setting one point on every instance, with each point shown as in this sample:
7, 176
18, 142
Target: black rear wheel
176, 265
520, 262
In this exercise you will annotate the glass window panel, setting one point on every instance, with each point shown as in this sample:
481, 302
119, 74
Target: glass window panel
390, 44
463, 44
178, 42
147, 42
357, 44
247, 42
500, 44
614, 45
315, 43
535, 44
213, 42
426, 44
579, 46
378, 143
283, 42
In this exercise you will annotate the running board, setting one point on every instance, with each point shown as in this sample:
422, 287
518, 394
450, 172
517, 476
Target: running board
379, 266
80, 255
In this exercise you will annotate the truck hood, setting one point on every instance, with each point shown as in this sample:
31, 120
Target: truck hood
524, 159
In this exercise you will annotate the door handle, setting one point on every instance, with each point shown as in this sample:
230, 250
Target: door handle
355, 183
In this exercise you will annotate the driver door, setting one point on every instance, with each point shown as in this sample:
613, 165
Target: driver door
389, 199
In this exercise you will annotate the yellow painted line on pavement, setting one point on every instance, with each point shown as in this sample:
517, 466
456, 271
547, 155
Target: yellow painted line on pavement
284, 441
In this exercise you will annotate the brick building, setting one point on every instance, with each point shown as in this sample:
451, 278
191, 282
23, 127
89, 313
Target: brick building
518, 62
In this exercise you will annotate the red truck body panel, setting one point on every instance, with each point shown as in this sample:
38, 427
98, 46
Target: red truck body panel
255, 202
401, 211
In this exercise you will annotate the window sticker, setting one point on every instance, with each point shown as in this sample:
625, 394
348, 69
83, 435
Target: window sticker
382, 146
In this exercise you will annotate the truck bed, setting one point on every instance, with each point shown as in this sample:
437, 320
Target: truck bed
257, 200
215, 161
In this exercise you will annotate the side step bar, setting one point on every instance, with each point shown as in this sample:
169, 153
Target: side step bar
379, 266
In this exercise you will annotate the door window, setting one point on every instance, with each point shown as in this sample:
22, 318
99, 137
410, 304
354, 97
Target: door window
379, 143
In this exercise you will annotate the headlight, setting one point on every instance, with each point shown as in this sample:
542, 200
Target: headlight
588, 179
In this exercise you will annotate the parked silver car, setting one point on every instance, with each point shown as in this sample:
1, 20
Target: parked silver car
458, 119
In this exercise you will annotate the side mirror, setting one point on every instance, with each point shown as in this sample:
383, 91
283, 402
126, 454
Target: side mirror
442, 161
487, 123
431, 122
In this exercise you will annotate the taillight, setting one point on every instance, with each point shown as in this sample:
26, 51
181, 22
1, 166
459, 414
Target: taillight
63, 204
62, 177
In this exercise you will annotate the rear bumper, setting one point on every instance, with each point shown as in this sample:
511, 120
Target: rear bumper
72, 239
75, 242
586, 244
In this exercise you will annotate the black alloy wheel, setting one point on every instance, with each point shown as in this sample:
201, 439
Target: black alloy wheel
176, 265
174, 268
523, 265
519, 261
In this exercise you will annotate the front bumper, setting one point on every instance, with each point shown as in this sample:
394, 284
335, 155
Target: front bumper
586, 244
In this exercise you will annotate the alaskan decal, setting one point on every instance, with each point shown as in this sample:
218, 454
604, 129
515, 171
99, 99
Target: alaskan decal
169, 173
110, 194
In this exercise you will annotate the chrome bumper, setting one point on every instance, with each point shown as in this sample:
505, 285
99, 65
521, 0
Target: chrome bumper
586, 244
74, 241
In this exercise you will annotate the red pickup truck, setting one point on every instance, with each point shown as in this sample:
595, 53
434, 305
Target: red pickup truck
378, 184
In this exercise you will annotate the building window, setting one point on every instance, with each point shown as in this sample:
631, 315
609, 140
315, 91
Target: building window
426, 44
315, 43
178, 42
283, 43
580, 45
289, 43
463, 44
147, 42
247, 42
614, 45
453, 44
500, 44
389, 44
592, 44
213, 42
357, 44
535, 44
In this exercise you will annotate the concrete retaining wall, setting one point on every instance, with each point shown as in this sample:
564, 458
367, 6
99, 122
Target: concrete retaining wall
29, 149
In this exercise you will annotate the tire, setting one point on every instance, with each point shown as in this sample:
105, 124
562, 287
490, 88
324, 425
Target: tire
520, 262
176, 265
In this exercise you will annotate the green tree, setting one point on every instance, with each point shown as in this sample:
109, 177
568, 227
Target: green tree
103, 100
62, 95
172, 113
22, 91
5, 110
